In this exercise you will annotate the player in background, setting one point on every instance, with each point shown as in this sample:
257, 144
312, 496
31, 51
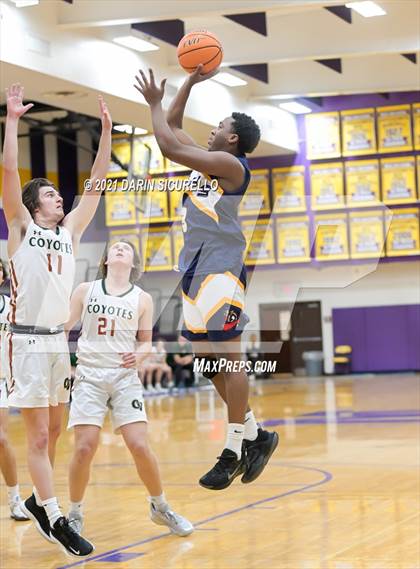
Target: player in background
116, 337
7, 455
214, 279
42, 244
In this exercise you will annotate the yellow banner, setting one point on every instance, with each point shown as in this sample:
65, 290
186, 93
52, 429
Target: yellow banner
257, 197
177, 241
403, 233
175, 196
131, 235
327, 187
331, 237
394, 128
289, 189
362, 183
121, 149
322, 135
416, 124
120, 208
358, 131
174, 166
398, 180
366, 234
293, 239
260, 242
157, 161
156, 248
153, 202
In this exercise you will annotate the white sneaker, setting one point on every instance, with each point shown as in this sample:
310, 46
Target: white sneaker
16, 512
176, 523
76, 521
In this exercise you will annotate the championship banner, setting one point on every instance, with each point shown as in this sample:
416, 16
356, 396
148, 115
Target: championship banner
175, 196
259, 242
153, 202
174, 166
362, 183
322, 135
122, 149
120, 208
416, 124
157, 161
331, 237
403, 233
257, 197
327, 186
293, 240
366, 234
394, 128
177, 241
156, 248
289, 189
398, 180
131, 235
358, 132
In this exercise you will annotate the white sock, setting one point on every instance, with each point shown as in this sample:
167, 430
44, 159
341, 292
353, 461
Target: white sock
37, 497
13, 493
235, 437
76, 508
159, 502
52, 510
251, 427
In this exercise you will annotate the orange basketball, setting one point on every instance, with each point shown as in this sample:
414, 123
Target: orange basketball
199, 47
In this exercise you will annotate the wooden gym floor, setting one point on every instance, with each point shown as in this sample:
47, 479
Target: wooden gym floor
341, 491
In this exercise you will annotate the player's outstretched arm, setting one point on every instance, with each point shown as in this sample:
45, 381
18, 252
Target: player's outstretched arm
80, 217
14, 209
221, 164
175, 114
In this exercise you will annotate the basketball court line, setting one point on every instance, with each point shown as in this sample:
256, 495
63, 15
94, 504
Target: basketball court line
327, 476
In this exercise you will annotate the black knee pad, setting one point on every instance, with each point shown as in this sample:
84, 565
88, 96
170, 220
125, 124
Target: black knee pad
205, 365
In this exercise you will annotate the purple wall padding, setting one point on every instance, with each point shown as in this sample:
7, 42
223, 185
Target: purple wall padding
413, 318
349, 329
3, 226
383, 338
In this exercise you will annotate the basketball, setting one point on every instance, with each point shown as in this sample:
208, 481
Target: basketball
200, 47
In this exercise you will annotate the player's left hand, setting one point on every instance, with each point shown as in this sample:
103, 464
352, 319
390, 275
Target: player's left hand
148, 88
106, 119
129, 360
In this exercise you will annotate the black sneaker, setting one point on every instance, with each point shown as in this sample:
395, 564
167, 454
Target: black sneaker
223, 473
71, 541
38, 515
258, 453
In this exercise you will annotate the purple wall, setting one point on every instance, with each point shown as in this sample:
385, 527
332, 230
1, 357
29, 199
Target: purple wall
383, 338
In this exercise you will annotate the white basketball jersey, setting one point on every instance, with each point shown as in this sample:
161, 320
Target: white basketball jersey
41, 277
4, 351
109, 326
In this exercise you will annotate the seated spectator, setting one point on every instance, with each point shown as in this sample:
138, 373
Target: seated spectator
156, 366
181, 362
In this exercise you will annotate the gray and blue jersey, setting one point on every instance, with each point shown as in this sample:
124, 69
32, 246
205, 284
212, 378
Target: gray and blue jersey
213, 238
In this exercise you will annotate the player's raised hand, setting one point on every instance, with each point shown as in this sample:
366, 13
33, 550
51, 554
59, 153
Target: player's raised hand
14, 100
198, 76
148, 88
105, 114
